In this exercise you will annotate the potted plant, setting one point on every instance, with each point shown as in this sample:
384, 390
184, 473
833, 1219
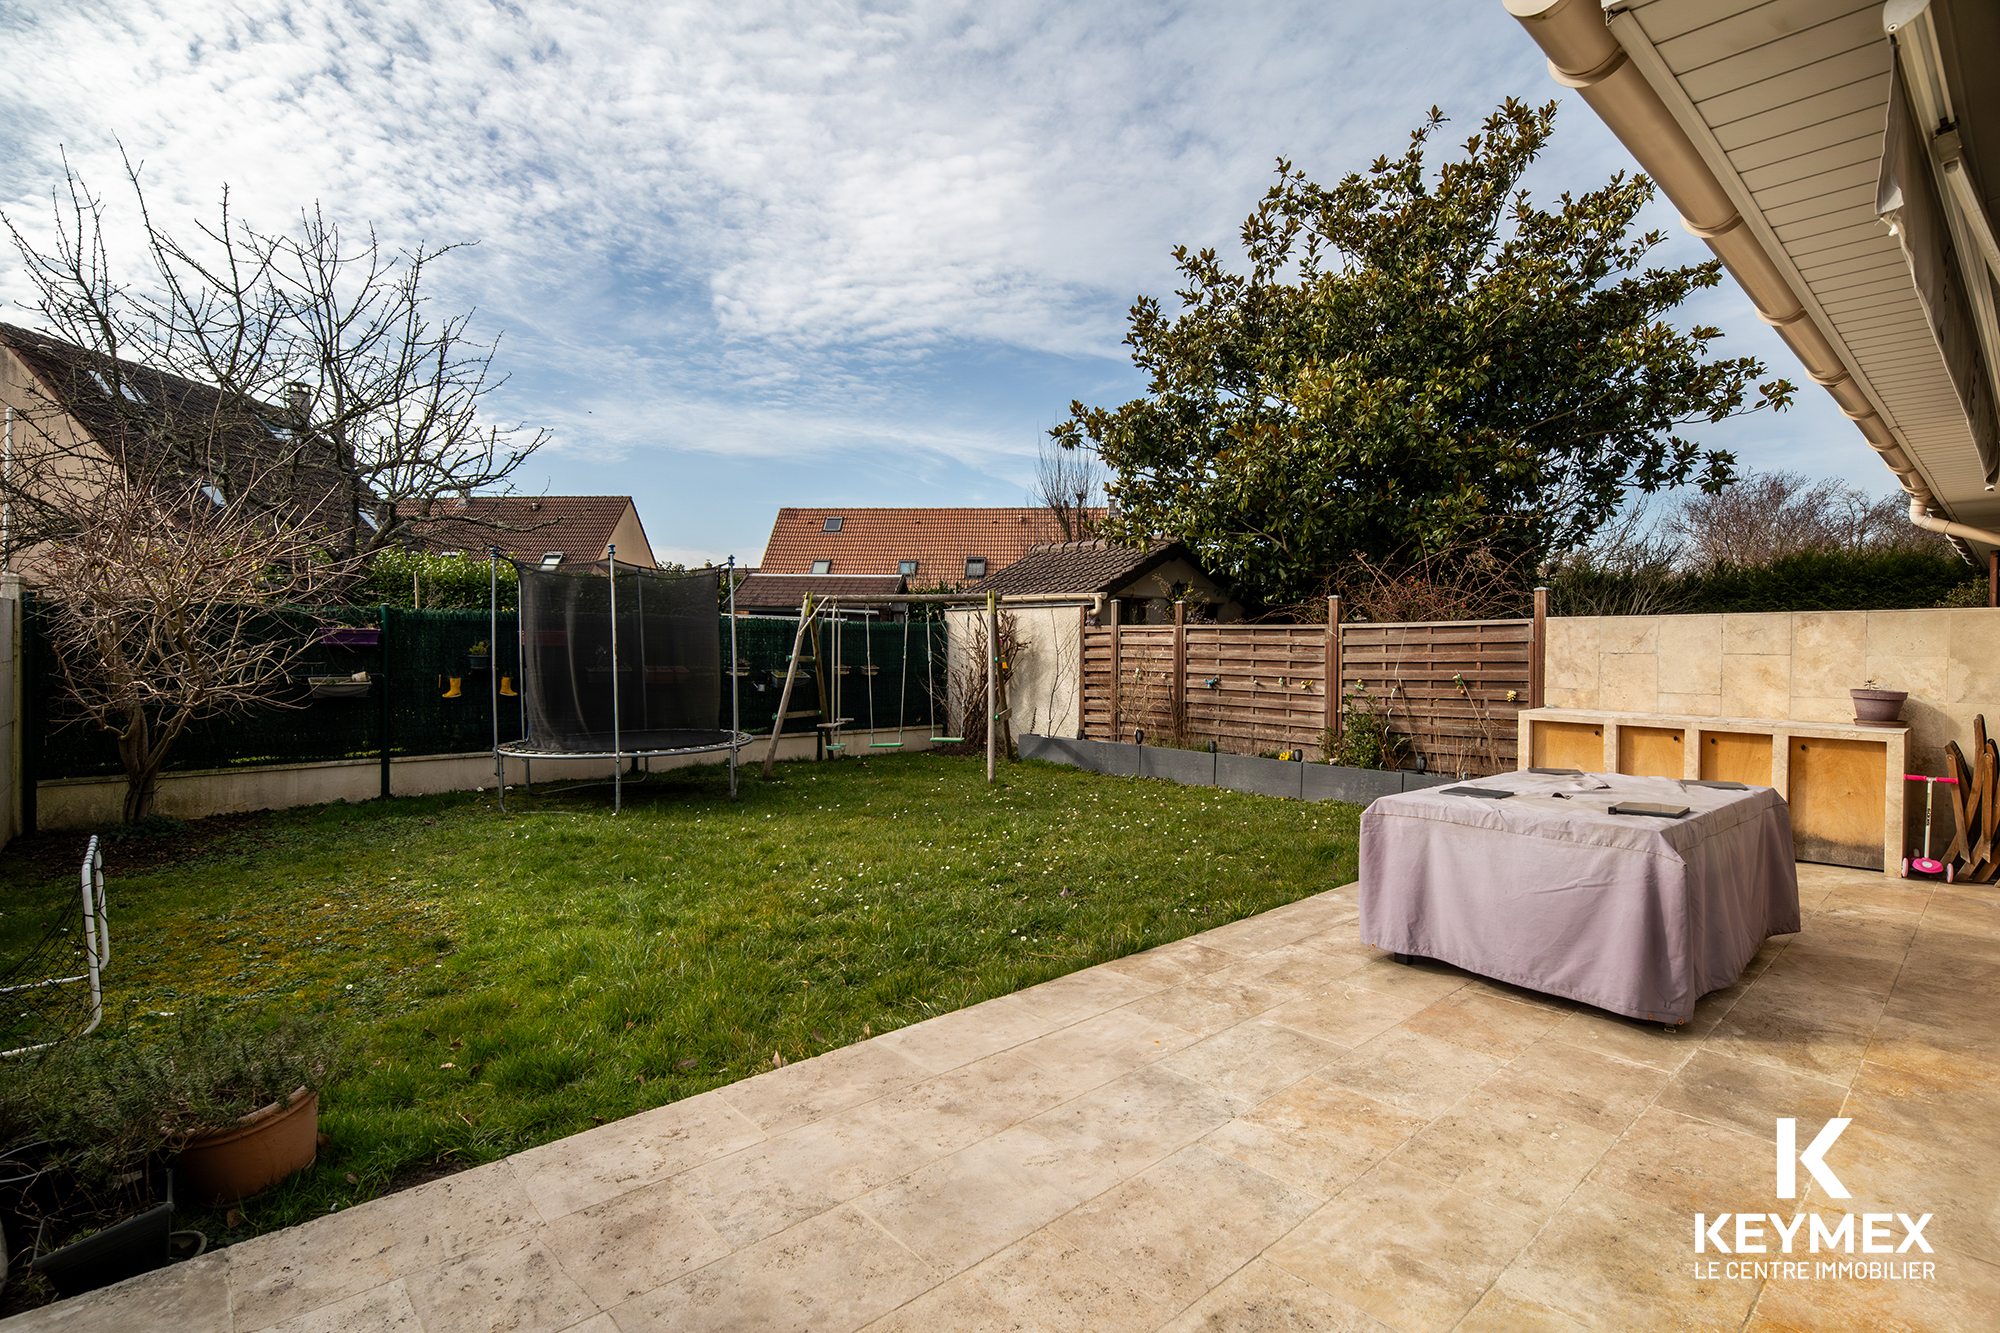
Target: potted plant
1874, 707
99, 1125
478, 655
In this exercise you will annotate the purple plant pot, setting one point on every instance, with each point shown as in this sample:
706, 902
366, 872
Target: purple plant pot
350, 636
1878, 708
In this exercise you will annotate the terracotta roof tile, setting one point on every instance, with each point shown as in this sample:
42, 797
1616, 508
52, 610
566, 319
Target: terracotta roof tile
874, 541
529, 526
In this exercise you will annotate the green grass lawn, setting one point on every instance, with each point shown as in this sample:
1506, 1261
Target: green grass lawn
510, 979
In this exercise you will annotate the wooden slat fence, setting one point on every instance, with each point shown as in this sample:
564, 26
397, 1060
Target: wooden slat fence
1452, 689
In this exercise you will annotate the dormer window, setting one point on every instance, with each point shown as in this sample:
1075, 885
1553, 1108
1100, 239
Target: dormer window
832, 525
906, 567
822, 567
975, 566
550, 559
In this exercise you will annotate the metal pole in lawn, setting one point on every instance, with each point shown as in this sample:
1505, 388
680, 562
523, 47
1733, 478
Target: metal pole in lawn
493, 664
735, 679
617, 744
992, 679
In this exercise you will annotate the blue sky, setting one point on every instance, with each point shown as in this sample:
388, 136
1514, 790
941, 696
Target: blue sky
754, 254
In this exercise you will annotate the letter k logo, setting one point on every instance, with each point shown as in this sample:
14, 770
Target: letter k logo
1789, 1155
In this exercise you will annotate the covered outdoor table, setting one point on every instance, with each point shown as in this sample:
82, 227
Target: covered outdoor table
1636, 914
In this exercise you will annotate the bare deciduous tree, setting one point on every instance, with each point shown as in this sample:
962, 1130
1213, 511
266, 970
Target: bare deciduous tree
159, 605
321, 372
1070, 482
1769, 515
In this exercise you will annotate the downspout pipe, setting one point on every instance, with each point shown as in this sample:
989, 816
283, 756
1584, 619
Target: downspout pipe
1584, 55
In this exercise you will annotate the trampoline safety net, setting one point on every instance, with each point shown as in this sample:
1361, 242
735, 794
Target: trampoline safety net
668, 667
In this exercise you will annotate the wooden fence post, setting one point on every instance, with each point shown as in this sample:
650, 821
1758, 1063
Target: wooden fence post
1179, 713
1333, 665
1993, 578
1117, 666
1538, 656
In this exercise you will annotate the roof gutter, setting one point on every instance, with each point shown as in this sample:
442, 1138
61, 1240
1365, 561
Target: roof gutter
1584, 55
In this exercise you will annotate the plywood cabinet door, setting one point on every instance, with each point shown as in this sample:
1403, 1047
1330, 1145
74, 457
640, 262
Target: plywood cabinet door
1651, 752
1736, 756
1567, 745
1838, 801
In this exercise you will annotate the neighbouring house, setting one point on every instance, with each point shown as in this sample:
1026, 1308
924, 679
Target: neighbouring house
763, 594
75, 414
544, 531
929, 548
1143, 580
1843, 162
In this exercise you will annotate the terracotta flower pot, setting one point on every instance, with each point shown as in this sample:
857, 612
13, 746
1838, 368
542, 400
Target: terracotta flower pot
1878, 708
225, 1165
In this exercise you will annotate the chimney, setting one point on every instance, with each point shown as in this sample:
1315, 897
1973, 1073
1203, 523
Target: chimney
300, 399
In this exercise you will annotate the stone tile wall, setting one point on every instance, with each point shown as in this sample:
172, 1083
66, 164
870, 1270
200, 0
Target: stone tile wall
1795, 666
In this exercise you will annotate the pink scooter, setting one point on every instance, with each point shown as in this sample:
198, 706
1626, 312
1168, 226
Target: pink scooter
1924, 865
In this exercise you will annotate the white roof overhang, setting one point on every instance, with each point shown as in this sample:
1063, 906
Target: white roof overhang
1763, 122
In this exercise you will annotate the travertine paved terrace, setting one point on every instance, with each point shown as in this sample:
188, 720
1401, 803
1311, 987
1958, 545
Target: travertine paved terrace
1268, 1126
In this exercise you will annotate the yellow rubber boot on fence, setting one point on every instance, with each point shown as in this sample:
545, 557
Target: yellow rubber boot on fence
454, 691
507, 687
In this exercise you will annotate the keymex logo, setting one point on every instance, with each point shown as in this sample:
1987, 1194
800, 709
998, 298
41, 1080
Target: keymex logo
1811, 1233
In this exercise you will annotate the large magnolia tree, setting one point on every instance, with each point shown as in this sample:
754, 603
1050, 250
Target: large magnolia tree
1416, 363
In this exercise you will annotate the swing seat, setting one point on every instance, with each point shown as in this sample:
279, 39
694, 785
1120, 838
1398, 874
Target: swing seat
885, 745
949, 740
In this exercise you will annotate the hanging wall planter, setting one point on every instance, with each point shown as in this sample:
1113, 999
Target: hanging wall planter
340, 687
350, 636
226, 1165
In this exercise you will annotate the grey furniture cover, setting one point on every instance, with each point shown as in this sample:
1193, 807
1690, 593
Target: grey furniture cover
1640, 916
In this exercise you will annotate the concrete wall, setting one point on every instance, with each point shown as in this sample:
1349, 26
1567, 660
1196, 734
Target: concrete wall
93, 802
1046, 689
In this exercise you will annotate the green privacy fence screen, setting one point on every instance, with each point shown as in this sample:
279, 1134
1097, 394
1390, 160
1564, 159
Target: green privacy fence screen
411, 659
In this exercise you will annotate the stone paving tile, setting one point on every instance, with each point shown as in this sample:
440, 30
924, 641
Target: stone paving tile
1214, 1002
1261, 1297
974, 1102
1963, 1057
1171, 964
1889, 1173
1039, 1283
1689, 1166
801, 1093
1252, 1061
1108, 1046
1751, 1097
1346, 1016
1130, 1123
1186, 1223
189, 1296
1484, 1022
629, 1245
516, 1284
965, 1207
1584, 1085
291, 1272
1523, 1152
1412, 1251
1498, 1312
1412, 1072
965, 1035
1612, 1261
1315, 1136
1964, 1294
828, 1274
772, 1185
386, 1308
602, 1163
1080, 995
1798, 1031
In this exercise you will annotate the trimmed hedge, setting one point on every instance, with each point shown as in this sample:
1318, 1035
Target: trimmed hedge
1809, 581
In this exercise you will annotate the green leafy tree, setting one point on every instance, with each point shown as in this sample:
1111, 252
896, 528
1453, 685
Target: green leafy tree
1414, 366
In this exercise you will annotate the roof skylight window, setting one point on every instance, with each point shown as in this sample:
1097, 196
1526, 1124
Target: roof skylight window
906, 567
130, 394
975, 566
214, 496
822, 567
550, 559
832, 524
